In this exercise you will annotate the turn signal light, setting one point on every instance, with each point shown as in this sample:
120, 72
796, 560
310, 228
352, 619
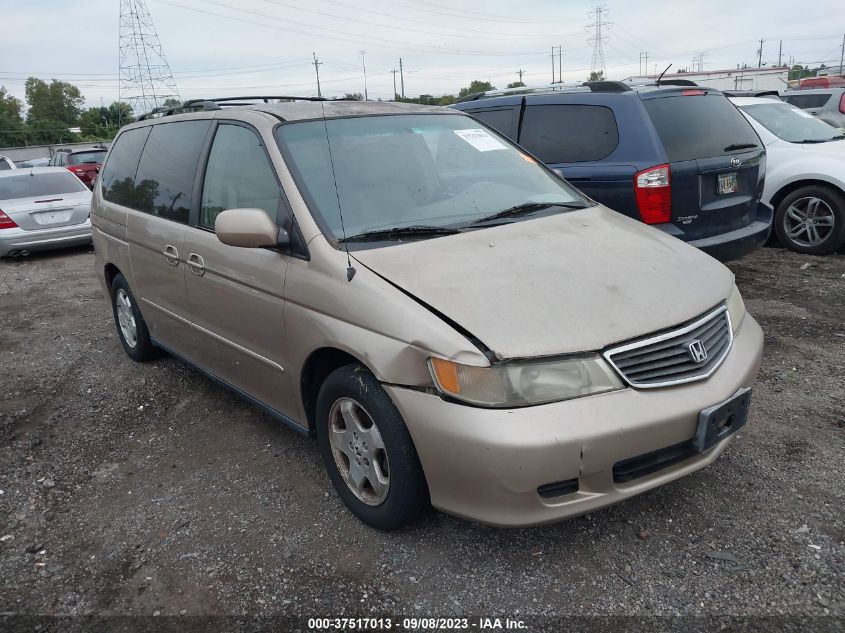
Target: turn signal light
6, 222
653, 191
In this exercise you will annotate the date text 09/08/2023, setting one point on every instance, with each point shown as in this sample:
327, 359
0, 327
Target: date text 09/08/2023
415, 624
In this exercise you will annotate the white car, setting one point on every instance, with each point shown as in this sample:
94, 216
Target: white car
805, 174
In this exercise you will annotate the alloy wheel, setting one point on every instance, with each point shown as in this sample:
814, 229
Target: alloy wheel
126, 317
808, 221
359, 451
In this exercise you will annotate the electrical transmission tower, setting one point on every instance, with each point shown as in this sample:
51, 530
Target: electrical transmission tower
598, 14
145, 77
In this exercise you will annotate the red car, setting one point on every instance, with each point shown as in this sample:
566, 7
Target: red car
85, 163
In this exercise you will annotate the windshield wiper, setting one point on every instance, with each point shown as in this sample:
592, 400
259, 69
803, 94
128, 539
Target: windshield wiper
400, 231
525, 209
822, 140
734, 146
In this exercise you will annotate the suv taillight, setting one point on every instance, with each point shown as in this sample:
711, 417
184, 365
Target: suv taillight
653, 190
6, 222
842, 103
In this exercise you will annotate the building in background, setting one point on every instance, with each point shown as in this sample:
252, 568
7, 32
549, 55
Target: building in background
765, 78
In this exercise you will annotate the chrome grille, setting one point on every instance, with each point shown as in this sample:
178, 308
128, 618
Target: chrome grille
675, 357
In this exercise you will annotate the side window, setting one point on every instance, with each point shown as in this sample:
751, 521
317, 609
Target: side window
164, 183
117, 177
569, 133
500, 119
238, 176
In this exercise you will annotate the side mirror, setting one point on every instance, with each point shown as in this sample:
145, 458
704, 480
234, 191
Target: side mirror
249, 228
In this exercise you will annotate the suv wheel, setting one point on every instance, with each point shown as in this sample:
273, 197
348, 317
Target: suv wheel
131, 327
812, 220
368, 451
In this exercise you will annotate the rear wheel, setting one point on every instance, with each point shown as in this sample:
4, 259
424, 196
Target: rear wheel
131, 327
368, 451
811, 220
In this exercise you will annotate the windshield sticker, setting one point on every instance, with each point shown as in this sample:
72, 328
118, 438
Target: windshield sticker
480, 139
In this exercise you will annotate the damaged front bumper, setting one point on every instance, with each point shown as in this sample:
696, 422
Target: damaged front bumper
519, 467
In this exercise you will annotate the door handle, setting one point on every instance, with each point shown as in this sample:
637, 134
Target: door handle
171, 255
196, 264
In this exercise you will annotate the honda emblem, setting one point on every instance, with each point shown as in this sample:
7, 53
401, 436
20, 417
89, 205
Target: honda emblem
697, 351
736, 162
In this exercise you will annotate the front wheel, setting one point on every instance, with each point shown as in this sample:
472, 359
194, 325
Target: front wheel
368, 451
811, 220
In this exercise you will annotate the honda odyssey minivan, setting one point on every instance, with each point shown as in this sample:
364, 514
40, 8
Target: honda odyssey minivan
454, 323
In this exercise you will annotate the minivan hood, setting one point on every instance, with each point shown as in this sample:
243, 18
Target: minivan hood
572, 282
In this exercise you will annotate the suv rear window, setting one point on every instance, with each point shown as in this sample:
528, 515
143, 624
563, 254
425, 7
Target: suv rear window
699, 126
564, 133
33, 184
87, 157
815, 100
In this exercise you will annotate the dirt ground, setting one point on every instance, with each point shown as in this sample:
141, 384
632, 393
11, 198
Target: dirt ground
147, 489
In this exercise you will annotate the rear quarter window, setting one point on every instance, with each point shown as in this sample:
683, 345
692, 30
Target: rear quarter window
118, 174
699, 126
500, 119
564, 133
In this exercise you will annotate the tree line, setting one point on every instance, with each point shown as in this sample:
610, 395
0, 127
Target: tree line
53, 109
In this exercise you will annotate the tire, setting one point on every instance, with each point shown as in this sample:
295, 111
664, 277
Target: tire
816, 203
142, 348
351, 394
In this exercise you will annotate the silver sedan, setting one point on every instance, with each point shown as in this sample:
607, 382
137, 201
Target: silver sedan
42, 208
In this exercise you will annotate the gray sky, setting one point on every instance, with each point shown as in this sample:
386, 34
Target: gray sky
219, 47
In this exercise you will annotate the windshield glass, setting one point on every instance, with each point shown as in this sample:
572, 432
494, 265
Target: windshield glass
87, 157
412, 170
31, 184
791, 124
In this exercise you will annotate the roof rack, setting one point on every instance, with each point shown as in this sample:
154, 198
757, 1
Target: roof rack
200, 105
587, 86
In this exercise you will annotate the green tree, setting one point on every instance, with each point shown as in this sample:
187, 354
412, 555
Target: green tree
11, 123
53, 108
355, 96
94, 123
476, 86
516, 84
171, 102
596, 76
446, 100
120, 113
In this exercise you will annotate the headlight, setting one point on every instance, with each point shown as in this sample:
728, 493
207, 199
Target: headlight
736, 309
520, 384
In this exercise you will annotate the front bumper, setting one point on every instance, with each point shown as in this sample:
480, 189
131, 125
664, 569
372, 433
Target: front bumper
487, 464
44, 239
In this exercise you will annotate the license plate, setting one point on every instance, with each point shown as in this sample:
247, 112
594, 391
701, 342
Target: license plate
51, 217
721, 420
727, 183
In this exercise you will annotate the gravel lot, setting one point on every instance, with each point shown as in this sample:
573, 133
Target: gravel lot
146, 489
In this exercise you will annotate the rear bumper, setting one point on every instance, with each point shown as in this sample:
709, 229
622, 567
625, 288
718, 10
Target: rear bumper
44, 239
497, 466
736, 244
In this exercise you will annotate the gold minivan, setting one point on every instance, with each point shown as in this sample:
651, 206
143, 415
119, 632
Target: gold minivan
453, 322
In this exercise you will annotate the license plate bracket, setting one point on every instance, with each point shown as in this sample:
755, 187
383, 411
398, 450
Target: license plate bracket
726, 183
721, 420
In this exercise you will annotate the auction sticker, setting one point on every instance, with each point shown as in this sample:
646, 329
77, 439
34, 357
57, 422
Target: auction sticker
480, 139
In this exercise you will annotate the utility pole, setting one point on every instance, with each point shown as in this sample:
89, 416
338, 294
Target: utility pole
394, 84
760, 54
364, 66
401, 78
317, 68
842, 55
780, 52
643, 63
519, 72
560, 64
553, 64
